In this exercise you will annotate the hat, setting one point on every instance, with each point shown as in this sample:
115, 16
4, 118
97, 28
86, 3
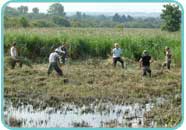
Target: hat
116, 44
166, 47
145, 52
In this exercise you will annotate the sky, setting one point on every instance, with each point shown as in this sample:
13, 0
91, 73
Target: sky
97, 7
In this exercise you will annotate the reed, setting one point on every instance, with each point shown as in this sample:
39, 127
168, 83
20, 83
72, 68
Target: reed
36, 43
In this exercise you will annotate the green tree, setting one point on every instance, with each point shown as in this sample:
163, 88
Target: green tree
171, 16
78, 15
123, 18
130, 18
24, 22
23, 9
116, 18
35, 10
56, 9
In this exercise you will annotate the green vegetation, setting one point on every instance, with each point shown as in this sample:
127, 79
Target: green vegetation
24, 22
57, 17
36, 44
169, 20
172, 18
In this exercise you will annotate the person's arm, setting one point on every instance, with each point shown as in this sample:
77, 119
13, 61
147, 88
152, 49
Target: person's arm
169, 54
112, 51
58, 60
151, 60
63, 52
11, 51
140, 62
16, 52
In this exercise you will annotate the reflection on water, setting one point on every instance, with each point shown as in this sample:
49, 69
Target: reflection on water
70, 115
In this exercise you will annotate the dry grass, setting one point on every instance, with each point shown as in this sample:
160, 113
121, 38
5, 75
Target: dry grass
95, 81
92, 79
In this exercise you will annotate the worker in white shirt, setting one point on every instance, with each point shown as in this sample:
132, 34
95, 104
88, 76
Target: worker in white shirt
117, 55
54, 63
14, 56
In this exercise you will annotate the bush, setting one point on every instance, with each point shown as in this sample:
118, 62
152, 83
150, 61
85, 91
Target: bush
24, 22
61, 21
42, 23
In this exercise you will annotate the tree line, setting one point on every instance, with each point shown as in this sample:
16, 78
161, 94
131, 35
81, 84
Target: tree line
170, 19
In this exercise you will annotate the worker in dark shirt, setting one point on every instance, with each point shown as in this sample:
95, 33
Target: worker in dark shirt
145, 62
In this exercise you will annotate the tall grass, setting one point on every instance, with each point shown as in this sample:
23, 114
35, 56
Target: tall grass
36, 43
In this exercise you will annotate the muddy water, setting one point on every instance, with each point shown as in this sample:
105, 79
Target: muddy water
70, 115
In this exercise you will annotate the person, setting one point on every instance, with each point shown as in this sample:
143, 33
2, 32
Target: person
168, 57
62, 51
53, 63
117, 55
145, 62
14, 56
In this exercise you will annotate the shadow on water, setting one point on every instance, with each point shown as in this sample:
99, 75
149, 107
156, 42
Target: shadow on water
71, 115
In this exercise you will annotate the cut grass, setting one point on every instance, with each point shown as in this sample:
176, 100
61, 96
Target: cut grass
91, 81
102, 81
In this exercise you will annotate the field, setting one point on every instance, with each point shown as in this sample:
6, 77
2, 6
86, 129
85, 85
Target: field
90, 79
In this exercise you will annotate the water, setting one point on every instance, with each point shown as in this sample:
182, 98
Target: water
70, 115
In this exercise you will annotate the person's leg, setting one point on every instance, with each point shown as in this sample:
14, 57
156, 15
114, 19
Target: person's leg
144, 71
164, 65
13, 63
121, 61
149, 71
114, 62
50, 67
20, 63
168, 64
58, 70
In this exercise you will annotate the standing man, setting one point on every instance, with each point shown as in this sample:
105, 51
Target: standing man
168, 57
53, 63
145, 63
14, 56
117, 55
